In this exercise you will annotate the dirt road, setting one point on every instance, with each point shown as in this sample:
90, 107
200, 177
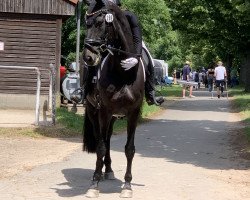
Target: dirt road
185, 153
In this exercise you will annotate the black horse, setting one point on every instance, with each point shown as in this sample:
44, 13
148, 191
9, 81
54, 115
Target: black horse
112, 91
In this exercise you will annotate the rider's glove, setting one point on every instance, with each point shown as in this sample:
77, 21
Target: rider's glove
129, 63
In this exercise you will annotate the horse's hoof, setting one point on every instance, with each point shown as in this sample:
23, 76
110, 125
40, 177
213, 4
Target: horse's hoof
102, 177
126, 193
92, 193
109, 176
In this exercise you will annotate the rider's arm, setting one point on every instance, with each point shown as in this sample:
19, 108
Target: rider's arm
135, 29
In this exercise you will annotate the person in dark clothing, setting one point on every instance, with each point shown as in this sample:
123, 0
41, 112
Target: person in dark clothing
210, 78
178, 74
137, 39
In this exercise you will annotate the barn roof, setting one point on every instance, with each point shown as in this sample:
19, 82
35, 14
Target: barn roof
45, 7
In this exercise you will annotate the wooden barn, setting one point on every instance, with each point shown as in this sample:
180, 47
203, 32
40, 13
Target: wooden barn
30, 36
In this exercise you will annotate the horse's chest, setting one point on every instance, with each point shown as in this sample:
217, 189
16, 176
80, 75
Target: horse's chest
119, 95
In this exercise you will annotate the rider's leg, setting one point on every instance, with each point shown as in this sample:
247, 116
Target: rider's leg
218, 88
183, 91
150, 89
149, 83
222, 87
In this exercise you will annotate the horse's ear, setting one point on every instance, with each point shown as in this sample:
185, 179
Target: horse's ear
94, 5
102, 3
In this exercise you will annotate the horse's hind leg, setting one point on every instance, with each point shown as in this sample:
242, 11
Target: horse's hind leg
109, 174
130, 151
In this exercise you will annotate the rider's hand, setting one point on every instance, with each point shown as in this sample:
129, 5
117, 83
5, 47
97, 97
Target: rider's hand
129, 63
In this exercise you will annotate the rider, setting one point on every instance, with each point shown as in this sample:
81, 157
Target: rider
130, 62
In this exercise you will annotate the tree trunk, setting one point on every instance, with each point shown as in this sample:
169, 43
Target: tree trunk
229, 64
247, 72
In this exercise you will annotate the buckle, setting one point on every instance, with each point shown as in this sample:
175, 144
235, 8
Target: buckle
103, 47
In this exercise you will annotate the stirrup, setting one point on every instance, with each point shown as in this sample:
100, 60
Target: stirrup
77, 95
155, 100
159, 100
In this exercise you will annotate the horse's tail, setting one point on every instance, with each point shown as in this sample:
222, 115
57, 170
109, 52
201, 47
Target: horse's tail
89, 140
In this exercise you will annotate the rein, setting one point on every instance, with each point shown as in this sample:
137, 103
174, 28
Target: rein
103, 47
96, 12
123, 52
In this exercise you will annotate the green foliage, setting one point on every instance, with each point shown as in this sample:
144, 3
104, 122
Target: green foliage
156, 27
74, 122
69, 119
69, 32
147, 110
170, 91
241, 103
221, 26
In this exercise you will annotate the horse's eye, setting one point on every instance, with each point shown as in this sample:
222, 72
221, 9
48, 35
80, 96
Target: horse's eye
99, 21
89, 23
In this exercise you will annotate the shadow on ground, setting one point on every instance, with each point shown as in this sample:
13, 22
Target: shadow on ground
77, 179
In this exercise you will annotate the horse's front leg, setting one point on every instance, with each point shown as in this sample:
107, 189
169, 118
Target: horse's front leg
109, 174
104, 121
130, 152
93, 191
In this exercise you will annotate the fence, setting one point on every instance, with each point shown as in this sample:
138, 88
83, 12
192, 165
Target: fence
51, 98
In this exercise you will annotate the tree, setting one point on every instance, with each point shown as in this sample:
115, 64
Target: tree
221, 25
69, 31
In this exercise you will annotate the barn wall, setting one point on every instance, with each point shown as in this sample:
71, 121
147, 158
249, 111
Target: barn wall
36, 43
29, 41
49, 7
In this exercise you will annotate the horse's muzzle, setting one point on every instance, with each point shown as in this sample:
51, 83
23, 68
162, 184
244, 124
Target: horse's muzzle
91, 58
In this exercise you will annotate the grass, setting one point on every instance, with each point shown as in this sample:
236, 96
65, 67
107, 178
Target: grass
70, 124
74, 122
241, 103
170, 91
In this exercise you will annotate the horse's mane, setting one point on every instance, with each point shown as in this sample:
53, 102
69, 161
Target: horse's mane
122, 26
120, 21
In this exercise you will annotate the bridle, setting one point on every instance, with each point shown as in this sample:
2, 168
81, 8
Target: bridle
99, 46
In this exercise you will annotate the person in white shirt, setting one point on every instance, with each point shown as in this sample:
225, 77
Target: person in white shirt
220, 75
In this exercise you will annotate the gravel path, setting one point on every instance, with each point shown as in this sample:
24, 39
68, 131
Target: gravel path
185, 153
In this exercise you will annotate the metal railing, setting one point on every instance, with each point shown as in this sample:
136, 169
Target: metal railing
38, 89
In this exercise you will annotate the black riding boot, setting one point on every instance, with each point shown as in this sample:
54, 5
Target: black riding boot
87, 79
150, 92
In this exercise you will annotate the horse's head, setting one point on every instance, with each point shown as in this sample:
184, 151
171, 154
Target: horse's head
105, 27
95, 41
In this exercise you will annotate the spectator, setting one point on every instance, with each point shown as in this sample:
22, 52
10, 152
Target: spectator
178, 74
220, 75
174, 76
210, 78
186, 76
